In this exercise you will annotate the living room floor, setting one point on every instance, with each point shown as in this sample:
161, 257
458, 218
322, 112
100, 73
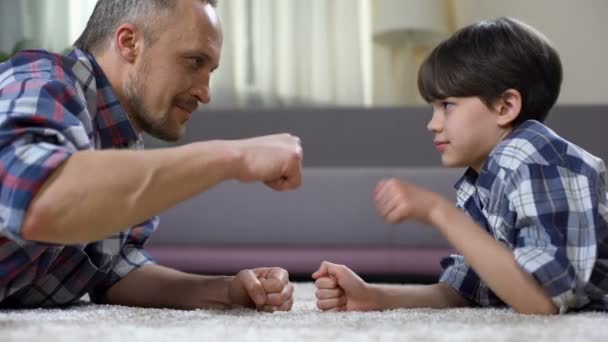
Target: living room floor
89, 322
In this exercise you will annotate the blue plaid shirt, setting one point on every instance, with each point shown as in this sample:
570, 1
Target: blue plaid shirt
52, 106
545, 199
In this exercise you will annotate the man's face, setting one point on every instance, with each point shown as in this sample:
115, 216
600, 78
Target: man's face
172, 74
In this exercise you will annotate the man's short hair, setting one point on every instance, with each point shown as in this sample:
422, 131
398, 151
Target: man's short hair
490, 57
108, 15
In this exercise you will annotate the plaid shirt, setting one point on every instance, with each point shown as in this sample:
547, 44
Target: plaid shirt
52, 106
545, 199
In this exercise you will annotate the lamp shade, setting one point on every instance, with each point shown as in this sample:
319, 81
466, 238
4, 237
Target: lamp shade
420, 21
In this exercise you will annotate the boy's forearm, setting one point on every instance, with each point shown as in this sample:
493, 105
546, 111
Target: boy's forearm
493, 262
437, 296
97, 193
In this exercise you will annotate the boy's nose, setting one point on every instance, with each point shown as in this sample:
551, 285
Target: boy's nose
434, 125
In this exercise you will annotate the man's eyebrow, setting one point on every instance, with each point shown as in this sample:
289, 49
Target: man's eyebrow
201, 54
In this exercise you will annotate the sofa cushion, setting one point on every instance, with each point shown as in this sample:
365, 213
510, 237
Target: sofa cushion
333, 208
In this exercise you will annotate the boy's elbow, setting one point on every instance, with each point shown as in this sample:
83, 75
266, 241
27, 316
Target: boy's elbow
546, 309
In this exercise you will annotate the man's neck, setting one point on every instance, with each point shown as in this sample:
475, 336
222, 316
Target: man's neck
115, 73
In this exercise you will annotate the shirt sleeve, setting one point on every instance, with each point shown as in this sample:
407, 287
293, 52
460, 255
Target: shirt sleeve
35, 115
556, 212
460, 276
131, 257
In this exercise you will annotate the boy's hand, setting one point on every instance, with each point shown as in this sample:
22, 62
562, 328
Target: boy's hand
266, 289
396, 201
340, 289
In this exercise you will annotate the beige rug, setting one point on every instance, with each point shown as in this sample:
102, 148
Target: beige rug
91, 323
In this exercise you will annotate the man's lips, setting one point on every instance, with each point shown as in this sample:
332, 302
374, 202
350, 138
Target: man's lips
186, 104
189, 108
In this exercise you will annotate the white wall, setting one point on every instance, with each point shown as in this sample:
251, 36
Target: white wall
49, 24
9, 26
577, 28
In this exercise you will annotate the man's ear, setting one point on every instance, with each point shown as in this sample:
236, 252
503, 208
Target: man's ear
128, 41
508, 107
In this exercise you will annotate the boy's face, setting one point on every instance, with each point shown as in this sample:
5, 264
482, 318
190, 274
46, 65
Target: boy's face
465, 131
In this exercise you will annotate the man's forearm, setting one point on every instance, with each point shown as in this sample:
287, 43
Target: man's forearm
437, 296
97, 193
160, 287
494, 263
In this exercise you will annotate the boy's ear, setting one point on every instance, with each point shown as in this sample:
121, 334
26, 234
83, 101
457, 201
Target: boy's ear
508, 107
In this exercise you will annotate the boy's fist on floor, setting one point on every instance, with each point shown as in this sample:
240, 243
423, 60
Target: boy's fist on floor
340, 289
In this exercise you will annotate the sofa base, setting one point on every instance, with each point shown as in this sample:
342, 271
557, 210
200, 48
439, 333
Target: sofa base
301, 260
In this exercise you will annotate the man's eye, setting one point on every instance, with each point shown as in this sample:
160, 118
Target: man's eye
446, 105
196, 62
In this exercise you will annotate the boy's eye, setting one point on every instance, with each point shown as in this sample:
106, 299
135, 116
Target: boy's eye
446, 105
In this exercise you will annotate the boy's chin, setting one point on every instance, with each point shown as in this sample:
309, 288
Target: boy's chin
452, 164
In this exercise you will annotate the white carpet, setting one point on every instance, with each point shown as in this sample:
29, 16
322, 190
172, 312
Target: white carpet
91, 323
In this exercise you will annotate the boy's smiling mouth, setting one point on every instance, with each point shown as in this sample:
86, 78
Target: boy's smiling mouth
441, 145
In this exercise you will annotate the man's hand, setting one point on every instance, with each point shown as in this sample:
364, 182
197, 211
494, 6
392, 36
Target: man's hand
340, 289
266, 289
275, 160
396, 201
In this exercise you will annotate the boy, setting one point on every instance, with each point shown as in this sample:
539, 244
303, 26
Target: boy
531, 216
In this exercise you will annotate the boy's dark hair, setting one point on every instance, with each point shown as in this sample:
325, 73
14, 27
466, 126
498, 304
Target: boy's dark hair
108, 15
490, 57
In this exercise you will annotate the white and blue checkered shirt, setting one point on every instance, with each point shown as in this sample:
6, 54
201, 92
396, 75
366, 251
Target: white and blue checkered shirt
545, 199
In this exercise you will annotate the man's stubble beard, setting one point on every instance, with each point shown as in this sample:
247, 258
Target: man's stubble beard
158, 127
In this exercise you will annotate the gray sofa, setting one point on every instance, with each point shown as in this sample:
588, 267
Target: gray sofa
331, 217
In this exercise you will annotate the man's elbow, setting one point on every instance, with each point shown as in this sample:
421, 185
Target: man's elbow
36, 225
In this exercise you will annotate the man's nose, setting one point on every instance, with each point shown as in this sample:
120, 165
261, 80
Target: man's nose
201, 93
201, 90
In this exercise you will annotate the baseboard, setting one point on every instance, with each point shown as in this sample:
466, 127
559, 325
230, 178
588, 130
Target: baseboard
372, 261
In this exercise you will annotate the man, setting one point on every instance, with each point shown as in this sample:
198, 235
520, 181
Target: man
77, 195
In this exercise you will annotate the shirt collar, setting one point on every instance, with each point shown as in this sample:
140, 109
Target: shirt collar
486, 175
470, 176
114, 128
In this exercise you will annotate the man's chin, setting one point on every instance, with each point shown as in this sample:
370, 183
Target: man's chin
183, 114
170, 136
